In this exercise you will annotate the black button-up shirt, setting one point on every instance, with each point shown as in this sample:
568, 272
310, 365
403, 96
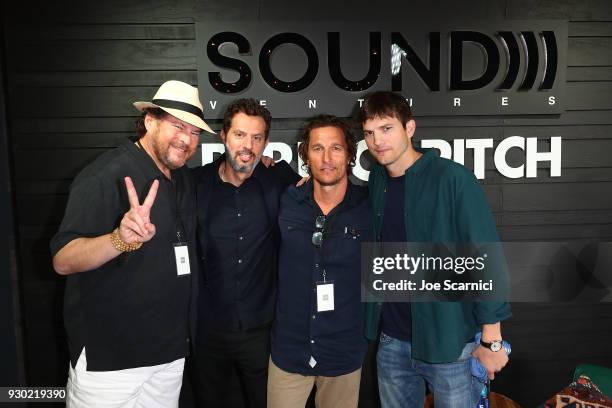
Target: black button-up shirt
305, 341
241, 251
134, 310
238, 244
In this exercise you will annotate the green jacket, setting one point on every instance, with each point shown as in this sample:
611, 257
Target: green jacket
443, 203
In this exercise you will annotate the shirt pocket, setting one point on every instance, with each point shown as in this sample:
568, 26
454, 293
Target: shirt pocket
343, 245
295, 233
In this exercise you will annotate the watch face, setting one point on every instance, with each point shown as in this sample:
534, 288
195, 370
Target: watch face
496, 346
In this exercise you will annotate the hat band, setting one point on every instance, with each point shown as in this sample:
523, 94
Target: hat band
170, 104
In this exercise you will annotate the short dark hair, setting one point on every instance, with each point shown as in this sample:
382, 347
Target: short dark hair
320, 121
385, 103
157, 113
248, 106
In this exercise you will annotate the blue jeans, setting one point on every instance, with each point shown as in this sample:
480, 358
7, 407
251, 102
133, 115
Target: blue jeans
402, 379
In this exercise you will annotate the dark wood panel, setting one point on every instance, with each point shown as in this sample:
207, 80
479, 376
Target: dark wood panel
37, 268
589, 51
42, 187
577, 175
75, 125
544, 325
53, 164
590, 29
360, 10
555, 232
587, 153
567, 118
590, 342
582, 217
579, 10
567, 132
45, 340
494, 197
102, 78
134, 11
589, 95
61, 164
530, 314
62, 141
40, 210
448, 133
38, 245
81, 101
38, 33
131, 55
557, 196
580, 74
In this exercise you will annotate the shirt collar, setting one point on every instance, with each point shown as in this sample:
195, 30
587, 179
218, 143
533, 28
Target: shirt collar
257, 173
144, 161
423, 161
418, 166
350, 197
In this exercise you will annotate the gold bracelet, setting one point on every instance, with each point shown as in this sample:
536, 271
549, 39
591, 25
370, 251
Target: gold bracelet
122, 246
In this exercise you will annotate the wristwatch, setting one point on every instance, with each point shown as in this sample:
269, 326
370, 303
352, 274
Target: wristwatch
495, 345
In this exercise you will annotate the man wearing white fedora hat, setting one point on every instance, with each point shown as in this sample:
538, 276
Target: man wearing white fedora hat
127, 244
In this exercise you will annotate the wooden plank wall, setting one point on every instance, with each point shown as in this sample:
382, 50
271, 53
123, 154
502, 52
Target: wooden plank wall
74, 69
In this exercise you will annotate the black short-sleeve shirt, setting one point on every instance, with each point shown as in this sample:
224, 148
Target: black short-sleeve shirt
134, 310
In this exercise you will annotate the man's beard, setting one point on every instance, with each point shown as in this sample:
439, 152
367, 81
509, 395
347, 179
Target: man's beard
163, 154
237, 167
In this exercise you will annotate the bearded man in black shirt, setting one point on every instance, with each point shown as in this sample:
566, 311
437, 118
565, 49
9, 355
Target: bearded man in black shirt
238, 199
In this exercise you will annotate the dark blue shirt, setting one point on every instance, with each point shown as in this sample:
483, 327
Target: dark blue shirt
396, 316
301, 335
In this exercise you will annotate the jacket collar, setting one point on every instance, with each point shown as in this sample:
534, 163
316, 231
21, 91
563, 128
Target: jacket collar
418, 166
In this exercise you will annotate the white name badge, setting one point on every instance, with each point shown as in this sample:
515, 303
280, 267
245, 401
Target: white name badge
181, 253
325, 296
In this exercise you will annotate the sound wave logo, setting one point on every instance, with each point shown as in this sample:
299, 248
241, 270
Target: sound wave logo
527, 42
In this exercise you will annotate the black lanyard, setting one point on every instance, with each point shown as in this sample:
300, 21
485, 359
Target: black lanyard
175, 186
175, 203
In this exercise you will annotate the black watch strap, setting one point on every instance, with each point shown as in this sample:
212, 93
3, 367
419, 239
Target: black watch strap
495, 345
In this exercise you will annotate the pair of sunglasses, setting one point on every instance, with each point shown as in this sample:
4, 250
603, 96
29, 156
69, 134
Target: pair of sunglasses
317, 236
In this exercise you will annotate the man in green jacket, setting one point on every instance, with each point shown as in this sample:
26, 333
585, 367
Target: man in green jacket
420, 197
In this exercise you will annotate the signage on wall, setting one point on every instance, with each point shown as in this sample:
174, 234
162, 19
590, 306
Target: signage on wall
513, 157
299, 70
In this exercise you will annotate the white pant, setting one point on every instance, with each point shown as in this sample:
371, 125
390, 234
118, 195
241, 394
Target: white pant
149, 387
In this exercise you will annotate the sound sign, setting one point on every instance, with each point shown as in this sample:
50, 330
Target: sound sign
298, 69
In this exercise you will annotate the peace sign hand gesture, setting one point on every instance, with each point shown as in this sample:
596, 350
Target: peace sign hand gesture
136, 224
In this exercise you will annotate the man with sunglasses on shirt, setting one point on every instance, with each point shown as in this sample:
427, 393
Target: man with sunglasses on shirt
316, 336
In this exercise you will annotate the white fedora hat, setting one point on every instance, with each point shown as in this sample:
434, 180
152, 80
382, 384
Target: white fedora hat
179, 99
